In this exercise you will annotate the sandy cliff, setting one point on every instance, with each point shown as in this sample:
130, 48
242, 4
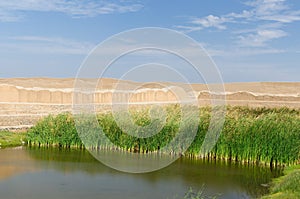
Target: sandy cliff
23, 101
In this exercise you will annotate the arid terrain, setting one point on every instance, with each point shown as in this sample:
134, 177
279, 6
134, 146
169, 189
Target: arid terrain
24, 101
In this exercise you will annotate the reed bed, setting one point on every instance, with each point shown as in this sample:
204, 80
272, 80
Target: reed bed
57, 130
251, 135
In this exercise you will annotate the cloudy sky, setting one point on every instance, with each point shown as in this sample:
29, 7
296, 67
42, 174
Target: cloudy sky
256, 40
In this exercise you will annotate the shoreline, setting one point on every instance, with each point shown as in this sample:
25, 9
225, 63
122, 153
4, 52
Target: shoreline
286, 187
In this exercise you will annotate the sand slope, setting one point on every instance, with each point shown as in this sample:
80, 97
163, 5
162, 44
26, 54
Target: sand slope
24, 100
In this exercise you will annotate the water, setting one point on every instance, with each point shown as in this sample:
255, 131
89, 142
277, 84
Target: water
32, 173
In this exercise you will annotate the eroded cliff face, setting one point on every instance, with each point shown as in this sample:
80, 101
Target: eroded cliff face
24, 101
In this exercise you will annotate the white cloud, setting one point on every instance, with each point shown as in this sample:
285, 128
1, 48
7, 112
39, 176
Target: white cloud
260, 37
35, 44
14, 10
8, 16
244, 14
266, 18
211, 21
267, 7
242, 51
283, 18
187, 29
274, 10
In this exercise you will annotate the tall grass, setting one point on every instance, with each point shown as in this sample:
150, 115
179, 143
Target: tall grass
54, 130
255, 135
249, 134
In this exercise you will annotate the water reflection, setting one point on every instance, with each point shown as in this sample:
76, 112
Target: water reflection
15, 161
53, 173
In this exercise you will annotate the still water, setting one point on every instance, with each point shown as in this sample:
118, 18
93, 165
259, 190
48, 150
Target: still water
33, 173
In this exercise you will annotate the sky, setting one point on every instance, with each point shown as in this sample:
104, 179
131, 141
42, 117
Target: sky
256, 40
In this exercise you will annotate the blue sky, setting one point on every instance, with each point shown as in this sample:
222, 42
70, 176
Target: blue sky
254, 40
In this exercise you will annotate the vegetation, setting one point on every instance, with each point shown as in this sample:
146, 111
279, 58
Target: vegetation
197, 195
256, 135
287, 186
251, 135
191, 194
11, 139
54, 130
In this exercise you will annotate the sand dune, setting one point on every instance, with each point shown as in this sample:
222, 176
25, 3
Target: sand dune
25, 100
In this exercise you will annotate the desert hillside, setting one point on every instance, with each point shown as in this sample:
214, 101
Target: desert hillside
24, 100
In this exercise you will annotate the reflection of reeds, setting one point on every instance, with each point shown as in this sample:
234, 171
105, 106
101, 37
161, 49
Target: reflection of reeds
191, 194
249, 134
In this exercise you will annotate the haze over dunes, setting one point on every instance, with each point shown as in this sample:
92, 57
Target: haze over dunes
24, 100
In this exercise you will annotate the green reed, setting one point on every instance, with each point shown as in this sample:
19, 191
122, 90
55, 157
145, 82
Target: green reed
54, 130
252, 135
255, 135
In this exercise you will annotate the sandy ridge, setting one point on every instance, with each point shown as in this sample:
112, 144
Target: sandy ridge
25, 100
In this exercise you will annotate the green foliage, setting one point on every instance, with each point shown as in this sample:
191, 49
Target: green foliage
54, 130
249, 134
287, 186
147, 144
254, 135
11, 139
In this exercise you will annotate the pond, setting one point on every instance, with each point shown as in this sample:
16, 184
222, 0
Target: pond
34, 173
